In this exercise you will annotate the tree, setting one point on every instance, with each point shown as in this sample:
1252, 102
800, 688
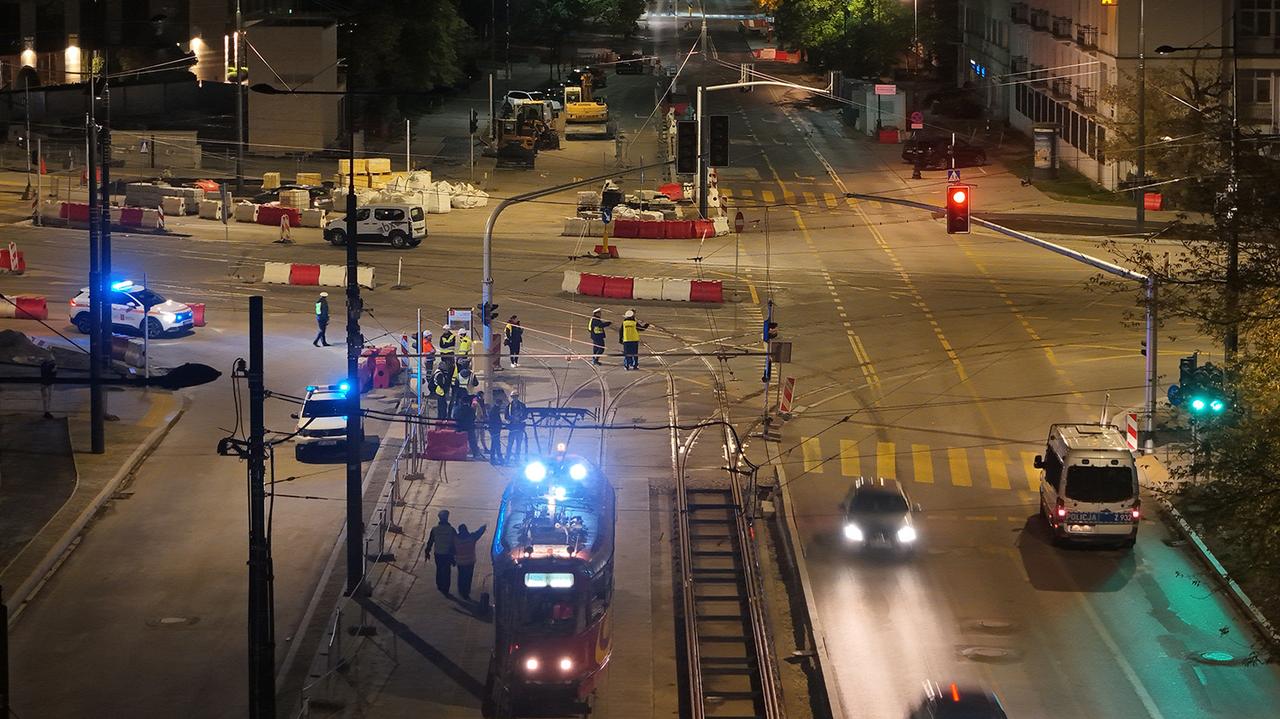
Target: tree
556, 21
864, 38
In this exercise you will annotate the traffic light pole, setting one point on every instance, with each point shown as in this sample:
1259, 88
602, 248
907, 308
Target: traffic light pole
355, 428
1149, 423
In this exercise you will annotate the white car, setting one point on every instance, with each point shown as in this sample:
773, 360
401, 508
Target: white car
324, 413
515, 97
401, 225
135, 307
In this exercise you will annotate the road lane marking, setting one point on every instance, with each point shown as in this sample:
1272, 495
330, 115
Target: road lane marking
788, 197
850, 463
755, 298
959, 465
1033, 474
768, 196
886, 460
812, 455
922, 460
159, 407
829, 201
810, 199
997, 472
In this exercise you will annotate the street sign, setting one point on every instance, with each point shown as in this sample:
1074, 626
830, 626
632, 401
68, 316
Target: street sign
917, 120
886, 89
953, 175
739, 222
606, 214
459, 318
1174, 395
780, 351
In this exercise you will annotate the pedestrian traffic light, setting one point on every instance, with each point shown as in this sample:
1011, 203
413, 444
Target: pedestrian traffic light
686, 147
1187, 370
958, 209
488, 312
718, 129
475, 121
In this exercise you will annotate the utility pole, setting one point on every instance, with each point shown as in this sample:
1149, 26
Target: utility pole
702, 164
4, 656
262, 692
1139, 190
104, 226
239, 102
355, 428
1233, 206
26, 147
97, 409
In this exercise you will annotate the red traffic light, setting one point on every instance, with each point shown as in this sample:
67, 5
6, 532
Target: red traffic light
958, 196
957, 209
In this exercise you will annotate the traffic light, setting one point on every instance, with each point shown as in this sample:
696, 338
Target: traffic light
475, 121
770, 330
718, 152
488, 312
958, 209
686, 147
1203, 388
1187, 370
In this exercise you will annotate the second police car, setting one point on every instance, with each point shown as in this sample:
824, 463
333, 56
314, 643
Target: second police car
135, 307
323, 419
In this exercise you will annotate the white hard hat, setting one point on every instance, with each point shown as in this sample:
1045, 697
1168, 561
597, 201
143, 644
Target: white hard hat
427, 333
630, 314
324, 294
596, 311
446, 328
464, 331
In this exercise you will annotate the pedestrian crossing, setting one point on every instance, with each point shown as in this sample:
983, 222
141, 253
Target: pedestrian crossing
998, 468
746, 196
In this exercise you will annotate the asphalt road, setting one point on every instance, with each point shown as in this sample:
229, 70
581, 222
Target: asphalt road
941, 360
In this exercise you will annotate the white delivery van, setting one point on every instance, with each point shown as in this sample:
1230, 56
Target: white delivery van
1089, 485
401, 225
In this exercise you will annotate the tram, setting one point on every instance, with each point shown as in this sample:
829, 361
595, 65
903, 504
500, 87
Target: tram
552, 589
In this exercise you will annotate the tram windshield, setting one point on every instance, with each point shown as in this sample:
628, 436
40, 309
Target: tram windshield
551, 612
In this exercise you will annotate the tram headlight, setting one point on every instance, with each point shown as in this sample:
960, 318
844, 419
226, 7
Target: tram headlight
531, 664
578, 471
535, 471
566, 664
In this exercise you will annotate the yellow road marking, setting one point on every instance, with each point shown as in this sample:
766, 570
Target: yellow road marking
810, 198
886, 460
997, 472
850, 464
788, 197
768, 196
830, 201
812, 455
160, 406
755, 298
959, 464
922, 458
1033, 474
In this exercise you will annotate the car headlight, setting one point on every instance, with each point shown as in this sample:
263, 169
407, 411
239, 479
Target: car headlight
566, 664
853, 533
907, 534
531, 664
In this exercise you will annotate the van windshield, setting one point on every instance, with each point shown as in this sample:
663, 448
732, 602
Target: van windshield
1099, 484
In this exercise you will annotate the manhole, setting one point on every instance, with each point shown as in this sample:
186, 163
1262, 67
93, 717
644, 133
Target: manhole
989, 654
170, 622
1215, 657
993, 626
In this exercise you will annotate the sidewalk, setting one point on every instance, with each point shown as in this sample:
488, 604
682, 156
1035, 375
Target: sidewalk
44, 509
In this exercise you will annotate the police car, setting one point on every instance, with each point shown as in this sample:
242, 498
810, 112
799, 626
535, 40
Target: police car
324, 413
136, 308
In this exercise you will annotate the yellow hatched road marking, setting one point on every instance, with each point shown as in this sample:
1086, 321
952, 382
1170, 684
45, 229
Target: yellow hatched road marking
1033, 474
959, 464
997, 472
812, 455
745, 192
850, 463
886, 460
810, 198
768, 196
788, 197
922, 458
830, 200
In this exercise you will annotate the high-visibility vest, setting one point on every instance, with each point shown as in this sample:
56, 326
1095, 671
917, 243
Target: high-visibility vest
464, 346
446, 343
630, 332
321, 309
595, 327
428, 349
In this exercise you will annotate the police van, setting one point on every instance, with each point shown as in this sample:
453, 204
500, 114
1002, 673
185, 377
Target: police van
403, 225
1089, 485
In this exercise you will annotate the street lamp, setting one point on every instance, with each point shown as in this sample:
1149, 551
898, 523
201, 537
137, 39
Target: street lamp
1232, 340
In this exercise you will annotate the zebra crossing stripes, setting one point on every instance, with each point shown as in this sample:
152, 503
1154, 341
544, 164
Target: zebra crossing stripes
959, 464
987, 467
922, 463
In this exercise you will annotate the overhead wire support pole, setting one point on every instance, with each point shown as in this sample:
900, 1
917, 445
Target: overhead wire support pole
240, 97
1233, 206
97, 409
104, 228
355, 429
1139, 192
261, 612
486, 281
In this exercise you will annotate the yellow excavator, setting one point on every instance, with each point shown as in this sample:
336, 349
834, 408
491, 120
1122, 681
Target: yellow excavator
581, 106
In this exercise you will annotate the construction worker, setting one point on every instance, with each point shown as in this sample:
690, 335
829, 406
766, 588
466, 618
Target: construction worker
462, 350
513, 337
428, 352
463, 382
517, 412
440, 385
445, 348
322, 320
631, 329
595, 328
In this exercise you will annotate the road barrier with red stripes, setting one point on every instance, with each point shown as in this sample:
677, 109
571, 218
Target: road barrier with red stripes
77, 213
24, 307
665, 229
643, 288
295, 273
12, 260
788, 395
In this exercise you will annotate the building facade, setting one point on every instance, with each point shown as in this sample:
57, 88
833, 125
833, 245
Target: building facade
1052, 62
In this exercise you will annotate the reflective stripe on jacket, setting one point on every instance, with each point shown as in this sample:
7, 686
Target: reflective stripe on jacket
630, 331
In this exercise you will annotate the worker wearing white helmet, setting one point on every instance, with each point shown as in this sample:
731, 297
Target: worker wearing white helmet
595, 328
631, 329
322, 320
463, 348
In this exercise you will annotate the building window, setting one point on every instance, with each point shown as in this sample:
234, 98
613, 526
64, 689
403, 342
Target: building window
1258, 17
1255, 87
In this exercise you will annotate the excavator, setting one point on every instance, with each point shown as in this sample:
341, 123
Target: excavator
526, 129
589, 114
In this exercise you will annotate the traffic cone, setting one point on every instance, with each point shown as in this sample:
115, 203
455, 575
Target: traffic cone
43, 169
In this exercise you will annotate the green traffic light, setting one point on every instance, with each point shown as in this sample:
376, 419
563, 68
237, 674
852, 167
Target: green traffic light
1217, 405
1197, 404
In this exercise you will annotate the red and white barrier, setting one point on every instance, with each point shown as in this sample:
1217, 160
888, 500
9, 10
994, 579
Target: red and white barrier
1131, 431
788, 395
77, 213
12, 261
24, 307
643, 288
296, 273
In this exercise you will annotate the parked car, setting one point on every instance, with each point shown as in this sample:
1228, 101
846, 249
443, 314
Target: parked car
634, 63
936, 152
401, 225
515, 97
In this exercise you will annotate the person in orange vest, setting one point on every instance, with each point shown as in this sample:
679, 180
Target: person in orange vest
464, 555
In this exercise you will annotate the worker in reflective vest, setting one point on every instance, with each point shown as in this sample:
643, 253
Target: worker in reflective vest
322, 320
441, 382
445, 348
595, 328
428, 352
631, 329
462, 350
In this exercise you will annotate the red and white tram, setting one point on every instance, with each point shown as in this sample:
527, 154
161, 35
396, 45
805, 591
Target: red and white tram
552, 588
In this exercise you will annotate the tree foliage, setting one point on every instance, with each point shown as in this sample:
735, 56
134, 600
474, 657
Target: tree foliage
864, 38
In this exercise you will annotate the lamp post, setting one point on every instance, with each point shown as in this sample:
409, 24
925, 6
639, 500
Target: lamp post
1139, 192
1232, 341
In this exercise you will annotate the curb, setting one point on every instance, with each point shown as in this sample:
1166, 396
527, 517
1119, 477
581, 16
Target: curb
54, 557
1251, 611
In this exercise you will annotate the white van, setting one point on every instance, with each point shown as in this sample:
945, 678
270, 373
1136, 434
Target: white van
401, 225
1089, 485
